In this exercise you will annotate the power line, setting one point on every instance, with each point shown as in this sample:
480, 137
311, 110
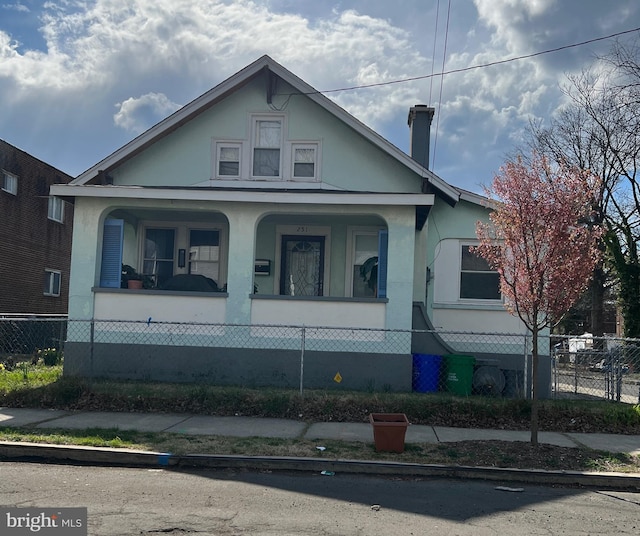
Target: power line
433, 59
444, 57
481, 65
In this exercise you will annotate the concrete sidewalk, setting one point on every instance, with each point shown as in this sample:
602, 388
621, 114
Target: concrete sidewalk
289, 429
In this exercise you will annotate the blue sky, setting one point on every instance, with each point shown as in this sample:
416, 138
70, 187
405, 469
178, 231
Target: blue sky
80, 78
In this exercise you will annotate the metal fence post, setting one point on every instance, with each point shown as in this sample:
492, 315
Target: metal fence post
91, 333
302, 342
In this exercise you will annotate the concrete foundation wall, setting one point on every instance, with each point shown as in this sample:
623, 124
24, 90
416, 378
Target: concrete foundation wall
239, 366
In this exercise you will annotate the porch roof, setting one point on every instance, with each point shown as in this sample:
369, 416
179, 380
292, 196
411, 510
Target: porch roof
305, 197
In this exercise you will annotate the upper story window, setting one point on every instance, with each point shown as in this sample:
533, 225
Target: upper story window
9, 183
52, 279
477, 279
228, 158
56, 209
266, 154
304, 158
267, 146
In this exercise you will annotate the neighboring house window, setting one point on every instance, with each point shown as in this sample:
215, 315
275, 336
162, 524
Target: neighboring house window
304, 160
56, 209
52, 282
228, 157
9, 183
267, 145
477, 279
158, 255
204, 253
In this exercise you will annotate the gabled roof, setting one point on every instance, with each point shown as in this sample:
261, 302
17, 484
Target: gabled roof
241, 78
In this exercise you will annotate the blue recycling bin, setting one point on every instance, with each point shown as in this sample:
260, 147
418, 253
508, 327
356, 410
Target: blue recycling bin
426, 373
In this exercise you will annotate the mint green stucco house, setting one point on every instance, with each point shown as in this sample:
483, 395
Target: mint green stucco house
274, 196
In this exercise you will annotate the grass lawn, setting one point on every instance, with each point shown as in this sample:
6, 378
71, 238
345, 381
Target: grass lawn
38, 386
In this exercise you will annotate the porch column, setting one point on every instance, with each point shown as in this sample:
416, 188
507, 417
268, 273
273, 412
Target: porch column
242, 236
400, 266
87, 224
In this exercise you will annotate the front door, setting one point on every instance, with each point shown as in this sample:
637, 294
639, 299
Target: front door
302, 265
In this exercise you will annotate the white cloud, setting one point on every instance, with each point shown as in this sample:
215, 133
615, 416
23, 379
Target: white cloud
16, 7
138, 114
92, 54
117, 43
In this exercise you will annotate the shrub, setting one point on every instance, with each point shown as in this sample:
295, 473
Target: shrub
50, 356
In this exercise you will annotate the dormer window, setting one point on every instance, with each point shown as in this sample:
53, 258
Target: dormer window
267, 146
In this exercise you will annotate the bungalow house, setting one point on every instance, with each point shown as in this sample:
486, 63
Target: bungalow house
260, 208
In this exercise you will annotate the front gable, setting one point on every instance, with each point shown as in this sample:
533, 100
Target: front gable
304, 139
300, 143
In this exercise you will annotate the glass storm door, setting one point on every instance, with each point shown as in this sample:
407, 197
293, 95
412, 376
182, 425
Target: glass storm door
302, 265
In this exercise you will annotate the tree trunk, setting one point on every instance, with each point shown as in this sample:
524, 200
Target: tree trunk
534, 383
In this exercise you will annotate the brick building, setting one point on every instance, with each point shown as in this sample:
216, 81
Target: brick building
35, 235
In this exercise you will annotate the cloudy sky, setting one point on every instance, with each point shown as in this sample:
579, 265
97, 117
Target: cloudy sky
80, 78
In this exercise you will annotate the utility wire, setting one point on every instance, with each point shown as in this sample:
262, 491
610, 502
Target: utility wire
444, 58
482, 65
433, 59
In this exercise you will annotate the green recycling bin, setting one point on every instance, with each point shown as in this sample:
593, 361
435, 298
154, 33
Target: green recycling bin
459, 373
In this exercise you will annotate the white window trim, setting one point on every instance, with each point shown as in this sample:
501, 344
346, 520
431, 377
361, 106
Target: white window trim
302, 229
217, 145
352, 231
303, 144
461, 245
53, 204
49, 291
254, 118
9, 183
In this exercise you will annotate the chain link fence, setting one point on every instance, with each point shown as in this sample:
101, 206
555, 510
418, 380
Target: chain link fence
458, 363
588, 367
22, 336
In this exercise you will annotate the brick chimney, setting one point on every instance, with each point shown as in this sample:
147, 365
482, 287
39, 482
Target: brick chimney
420, 117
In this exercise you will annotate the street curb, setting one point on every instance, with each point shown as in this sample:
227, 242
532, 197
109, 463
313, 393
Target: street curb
34, 452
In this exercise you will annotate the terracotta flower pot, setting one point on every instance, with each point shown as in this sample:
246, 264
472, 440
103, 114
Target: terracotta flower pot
389, 430
134, 283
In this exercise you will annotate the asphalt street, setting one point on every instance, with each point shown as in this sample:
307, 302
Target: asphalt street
130, 501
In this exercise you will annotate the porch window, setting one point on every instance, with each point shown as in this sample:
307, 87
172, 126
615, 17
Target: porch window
56, 209
52, 279
364, 266
159, 250
304, 160
204, 253
9, 183
477, 279
366, 275
267, 144
228, 159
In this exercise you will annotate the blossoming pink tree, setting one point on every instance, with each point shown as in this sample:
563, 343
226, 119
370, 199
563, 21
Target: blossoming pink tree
542, 244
